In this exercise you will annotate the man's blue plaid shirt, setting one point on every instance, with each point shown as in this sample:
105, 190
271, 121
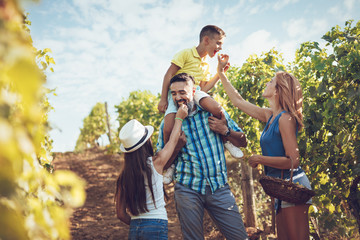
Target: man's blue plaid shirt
201, 161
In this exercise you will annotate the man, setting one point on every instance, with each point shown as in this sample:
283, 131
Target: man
201, 174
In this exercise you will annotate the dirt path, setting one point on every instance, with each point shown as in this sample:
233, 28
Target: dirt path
97, 218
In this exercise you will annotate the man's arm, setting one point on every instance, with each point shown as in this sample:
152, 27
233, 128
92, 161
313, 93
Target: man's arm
220, 126
238, 139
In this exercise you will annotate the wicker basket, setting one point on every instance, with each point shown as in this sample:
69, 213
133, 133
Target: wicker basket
286, 190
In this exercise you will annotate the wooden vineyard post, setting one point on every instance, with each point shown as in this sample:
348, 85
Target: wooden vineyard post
108, 123
247, 187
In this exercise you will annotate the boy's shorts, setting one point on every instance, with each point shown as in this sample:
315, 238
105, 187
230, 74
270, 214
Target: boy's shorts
172, 108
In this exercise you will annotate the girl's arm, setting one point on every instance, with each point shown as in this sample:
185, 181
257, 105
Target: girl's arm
252, 110
180, 144
162, 157
287, 126
121, 210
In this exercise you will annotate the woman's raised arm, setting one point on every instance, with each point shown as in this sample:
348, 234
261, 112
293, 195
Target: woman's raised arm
237, 100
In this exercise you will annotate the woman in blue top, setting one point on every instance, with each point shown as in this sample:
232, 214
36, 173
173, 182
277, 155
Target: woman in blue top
278, 143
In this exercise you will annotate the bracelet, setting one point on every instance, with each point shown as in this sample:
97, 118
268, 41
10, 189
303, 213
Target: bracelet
179, 119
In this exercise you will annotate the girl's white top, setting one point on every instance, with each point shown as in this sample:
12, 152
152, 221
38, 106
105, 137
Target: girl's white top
158, 212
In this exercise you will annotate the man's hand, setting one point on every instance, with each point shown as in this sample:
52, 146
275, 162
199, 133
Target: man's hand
218, 125
182, 111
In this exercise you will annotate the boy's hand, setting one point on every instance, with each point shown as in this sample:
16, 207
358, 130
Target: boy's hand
223, 62
182, 111
162, 106
227, 67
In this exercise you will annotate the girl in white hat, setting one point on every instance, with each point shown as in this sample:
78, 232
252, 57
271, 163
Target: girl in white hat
139, 194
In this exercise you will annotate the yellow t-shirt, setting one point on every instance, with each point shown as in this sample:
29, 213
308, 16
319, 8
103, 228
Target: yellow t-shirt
191, 63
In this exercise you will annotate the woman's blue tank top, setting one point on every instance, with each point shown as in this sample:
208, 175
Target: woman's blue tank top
272, 145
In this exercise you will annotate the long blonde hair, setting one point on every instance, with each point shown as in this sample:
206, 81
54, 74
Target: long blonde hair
290, 95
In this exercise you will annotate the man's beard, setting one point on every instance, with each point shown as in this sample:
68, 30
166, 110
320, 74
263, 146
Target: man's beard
190, 105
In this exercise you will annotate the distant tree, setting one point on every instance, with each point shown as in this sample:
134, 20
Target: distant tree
140, 105
94, 125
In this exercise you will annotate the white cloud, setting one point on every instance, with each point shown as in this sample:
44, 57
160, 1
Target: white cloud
345, 11
256, 43
255, 10
319, 26
288, 49
282, 3
304, 29
233, 9
349, 4
295, 27
335, 11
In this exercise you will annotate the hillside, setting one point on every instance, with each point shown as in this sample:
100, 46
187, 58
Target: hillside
97, 218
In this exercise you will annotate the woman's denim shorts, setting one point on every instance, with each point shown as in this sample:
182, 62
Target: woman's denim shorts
143, 228
302, 179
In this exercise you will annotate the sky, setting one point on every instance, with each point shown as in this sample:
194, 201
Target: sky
105, 49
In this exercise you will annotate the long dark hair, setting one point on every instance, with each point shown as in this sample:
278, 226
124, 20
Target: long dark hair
130, 187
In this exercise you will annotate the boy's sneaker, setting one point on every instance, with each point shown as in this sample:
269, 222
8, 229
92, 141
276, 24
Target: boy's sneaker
234, 151
168, 174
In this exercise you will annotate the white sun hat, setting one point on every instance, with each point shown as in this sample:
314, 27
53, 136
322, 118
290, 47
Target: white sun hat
133, 135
